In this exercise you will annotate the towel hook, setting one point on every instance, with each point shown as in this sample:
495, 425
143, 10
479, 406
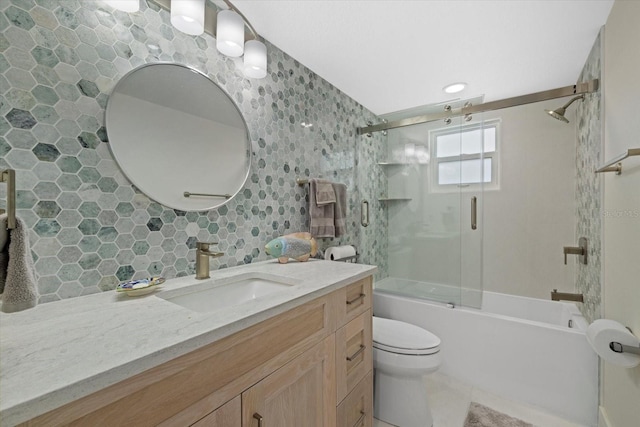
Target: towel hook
8, 176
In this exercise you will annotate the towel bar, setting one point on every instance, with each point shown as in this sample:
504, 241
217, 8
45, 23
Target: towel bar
189, 194
8, 176
304, 181
615, 165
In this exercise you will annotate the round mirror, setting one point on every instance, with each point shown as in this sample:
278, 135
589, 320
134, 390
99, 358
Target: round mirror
178, 137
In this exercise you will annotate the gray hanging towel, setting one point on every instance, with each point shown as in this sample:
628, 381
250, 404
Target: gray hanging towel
340, 210
324, 192
321, 216
17, 276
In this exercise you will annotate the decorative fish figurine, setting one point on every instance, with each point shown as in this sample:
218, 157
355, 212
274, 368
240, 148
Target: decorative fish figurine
299, 246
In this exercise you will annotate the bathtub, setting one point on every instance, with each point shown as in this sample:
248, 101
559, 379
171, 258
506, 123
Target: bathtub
524, 349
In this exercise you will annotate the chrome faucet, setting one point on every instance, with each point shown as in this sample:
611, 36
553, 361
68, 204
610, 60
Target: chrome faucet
202, 259
564, 296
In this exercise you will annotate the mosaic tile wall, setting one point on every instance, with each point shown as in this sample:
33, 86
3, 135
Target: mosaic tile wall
89, 227
589, 187
372, 183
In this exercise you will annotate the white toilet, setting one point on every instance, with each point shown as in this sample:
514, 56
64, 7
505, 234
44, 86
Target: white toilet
402, 355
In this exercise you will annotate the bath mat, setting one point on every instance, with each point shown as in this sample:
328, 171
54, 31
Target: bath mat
482, 416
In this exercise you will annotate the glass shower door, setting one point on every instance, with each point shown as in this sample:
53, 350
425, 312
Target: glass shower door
434, 253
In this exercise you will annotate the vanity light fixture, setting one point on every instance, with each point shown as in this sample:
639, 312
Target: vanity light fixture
227, 25
188, 16
255, 59
230, 33
230, 39
124, 5
455, 87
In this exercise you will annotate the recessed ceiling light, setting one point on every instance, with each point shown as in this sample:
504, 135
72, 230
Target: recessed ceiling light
454, 87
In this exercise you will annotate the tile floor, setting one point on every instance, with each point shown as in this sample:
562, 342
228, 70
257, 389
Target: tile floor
450, 400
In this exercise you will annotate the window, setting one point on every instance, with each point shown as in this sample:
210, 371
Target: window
466, 156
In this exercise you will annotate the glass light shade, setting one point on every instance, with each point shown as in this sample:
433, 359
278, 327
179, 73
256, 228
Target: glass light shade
230, 33
124, 5
255, 59
188, 16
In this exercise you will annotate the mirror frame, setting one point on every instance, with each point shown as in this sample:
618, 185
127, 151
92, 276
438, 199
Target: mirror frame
248, 145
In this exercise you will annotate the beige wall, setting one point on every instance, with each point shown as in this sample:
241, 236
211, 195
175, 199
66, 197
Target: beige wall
532, 216
621, 387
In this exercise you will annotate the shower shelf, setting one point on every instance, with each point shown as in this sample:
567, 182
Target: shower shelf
394, 199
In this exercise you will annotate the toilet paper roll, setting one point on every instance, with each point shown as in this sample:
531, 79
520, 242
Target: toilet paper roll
335, 253
603, 332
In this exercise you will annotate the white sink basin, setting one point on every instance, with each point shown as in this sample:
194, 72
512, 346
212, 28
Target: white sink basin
213, 295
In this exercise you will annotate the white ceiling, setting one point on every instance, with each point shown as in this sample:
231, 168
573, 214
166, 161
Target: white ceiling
392, 55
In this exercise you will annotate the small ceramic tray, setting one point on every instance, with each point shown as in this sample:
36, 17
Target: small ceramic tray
136, 288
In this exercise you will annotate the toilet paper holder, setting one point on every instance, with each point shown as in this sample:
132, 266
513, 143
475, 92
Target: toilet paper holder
616, 347
622, 348
348, 259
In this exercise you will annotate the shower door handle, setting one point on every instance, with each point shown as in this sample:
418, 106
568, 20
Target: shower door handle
364, 213
474, 213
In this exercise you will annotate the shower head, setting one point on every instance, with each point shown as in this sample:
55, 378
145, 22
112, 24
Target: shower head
558, 113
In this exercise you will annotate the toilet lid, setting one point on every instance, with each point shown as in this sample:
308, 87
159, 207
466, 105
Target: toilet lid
403, 338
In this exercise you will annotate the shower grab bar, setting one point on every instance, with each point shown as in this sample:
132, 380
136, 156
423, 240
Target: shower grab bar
9, 177
615, 164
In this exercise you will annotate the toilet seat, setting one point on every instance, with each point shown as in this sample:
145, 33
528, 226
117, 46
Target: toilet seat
403, 338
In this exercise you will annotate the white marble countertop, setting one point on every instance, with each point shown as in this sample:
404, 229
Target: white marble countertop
58, 352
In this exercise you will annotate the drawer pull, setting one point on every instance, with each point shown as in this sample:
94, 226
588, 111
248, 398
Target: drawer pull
258, 417
354, 355
360, 421
356, 299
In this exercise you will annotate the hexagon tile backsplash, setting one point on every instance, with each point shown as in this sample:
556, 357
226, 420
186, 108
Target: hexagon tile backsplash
90, 227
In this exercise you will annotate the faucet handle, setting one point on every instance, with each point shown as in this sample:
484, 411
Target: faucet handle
204, 245
581, 250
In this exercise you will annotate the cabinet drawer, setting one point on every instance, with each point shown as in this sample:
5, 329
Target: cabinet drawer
354, 353
357, 408
356, 300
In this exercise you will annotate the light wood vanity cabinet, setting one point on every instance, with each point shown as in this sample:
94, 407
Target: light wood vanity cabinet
357, 408
354, 354
301, 393
290, 370
228, 415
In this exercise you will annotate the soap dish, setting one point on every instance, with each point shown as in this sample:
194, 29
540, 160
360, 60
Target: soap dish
136, 288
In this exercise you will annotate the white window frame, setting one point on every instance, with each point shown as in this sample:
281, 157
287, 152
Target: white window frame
434, 163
